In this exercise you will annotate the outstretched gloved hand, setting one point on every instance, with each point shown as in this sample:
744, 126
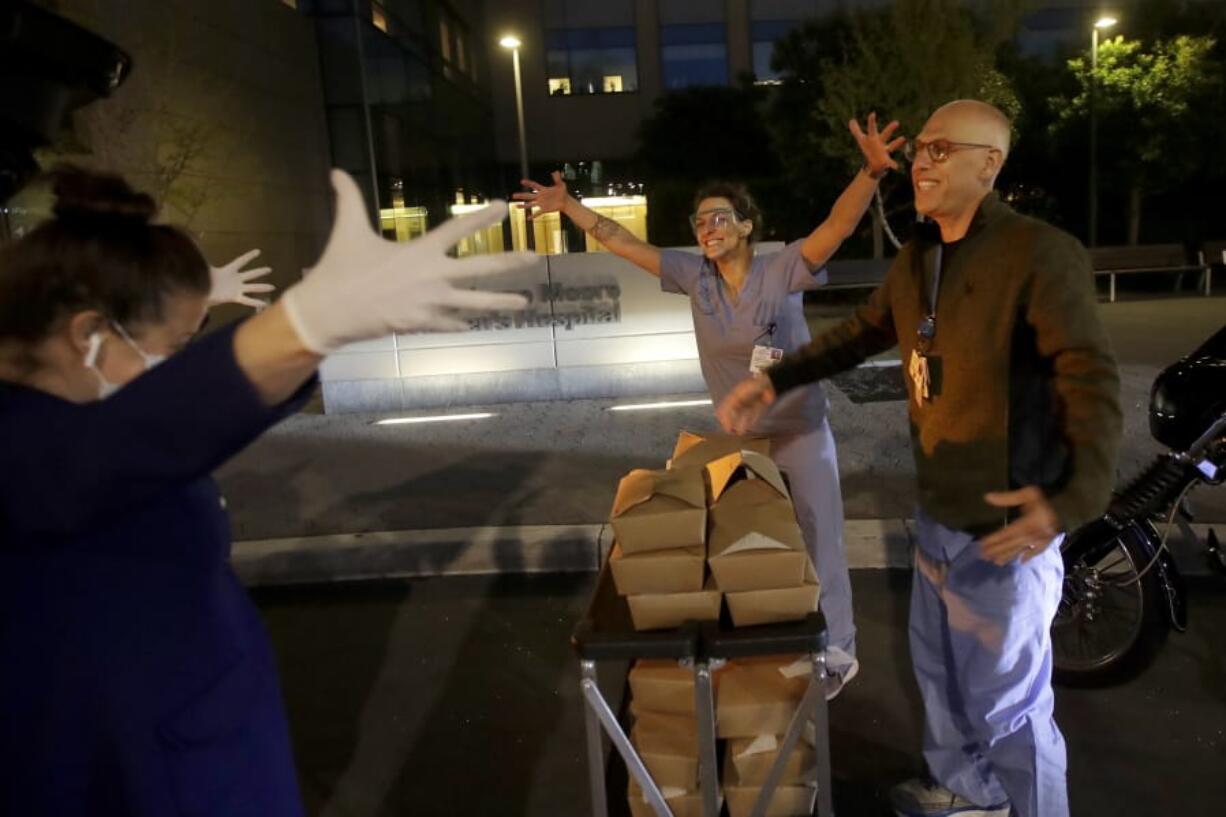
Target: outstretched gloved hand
232, 284
365, 286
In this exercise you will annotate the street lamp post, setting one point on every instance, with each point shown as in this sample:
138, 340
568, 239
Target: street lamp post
511, 42
1101, 24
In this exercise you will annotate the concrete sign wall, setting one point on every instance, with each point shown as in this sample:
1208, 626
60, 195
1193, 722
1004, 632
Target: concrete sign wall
595, 326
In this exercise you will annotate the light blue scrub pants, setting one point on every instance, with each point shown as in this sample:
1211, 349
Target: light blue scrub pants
812, 468
981, 650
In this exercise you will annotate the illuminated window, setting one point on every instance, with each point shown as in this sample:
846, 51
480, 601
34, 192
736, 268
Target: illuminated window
628, 211
546, 229
587, 56
559, 86
550, 239
403, 223
613, 84
379, 17
458, 58
444, 33
482, 242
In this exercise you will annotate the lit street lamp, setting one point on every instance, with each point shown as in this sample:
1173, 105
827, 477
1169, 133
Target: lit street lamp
1102, 24
511, 42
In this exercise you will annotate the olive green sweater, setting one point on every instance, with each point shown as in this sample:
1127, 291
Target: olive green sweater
1024, 387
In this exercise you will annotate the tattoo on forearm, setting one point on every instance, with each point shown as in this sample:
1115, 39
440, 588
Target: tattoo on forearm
604, 229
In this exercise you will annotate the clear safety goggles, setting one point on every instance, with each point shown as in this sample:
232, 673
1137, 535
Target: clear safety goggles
712, 219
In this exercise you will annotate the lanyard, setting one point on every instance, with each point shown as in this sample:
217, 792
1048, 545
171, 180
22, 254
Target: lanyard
769, 330
928, 326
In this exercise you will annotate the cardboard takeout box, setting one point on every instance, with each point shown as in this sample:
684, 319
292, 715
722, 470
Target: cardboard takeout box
756, 697
756, 547
775, 605
679, 570
728, 473
752, 758
681, 803
698, 449
755, 542
660, 510
662, 685
664, 610
788, 799
669, 751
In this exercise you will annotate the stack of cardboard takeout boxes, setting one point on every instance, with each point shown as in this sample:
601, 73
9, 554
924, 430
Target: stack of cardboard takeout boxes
665, 734
721, 504
716, 524
757, 700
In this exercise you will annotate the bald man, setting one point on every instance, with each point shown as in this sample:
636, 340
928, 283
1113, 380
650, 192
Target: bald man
1015, 422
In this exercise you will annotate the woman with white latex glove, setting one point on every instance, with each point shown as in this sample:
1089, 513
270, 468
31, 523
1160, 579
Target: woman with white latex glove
231, 284
137, 677
365, 286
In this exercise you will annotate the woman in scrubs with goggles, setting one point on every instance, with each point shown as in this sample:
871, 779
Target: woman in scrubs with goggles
748, 310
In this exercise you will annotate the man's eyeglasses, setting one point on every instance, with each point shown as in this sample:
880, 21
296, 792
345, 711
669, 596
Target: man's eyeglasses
939, 150
713, 219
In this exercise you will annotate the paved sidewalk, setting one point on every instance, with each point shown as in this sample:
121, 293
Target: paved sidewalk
304, 490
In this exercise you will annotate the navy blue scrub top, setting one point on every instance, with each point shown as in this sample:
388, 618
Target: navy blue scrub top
769, 312
135, 675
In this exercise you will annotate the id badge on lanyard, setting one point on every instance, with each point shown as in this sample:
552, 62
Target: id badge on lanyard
918, 368
764, 357
766, 354
921, 379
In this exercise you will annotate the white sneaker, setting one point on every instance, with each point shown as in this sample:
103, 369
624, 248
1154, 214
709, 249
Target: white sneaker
841, 668
924, 797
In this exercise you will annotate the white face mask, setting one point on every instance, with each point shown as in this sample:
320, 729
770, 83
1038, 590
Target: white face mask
150, 360
105, 387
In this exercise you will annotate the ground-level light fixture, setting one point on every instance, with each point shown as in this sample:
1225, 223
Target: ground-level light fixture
664, 405
441, 418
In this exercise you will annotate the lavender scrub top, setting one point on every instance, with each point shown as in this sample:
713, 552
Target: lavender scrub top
769, 312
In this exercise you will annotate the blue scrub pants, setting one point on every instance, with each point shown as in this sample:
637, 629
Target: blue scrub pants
981, 650
812, 468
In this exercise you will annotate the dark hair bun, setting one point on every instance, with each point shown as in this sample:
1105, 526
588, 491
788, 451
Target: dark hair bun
84, 196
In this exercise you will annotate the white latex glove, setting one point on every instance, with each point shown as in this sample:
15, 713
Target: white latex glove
232, 284
365, 286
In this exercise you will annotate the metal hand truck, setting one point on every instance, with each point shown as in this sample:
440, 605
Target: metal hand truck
607, 634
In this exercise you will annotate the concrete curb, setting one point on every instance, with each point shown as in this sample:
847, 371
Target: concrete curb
418, 553
871, 544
